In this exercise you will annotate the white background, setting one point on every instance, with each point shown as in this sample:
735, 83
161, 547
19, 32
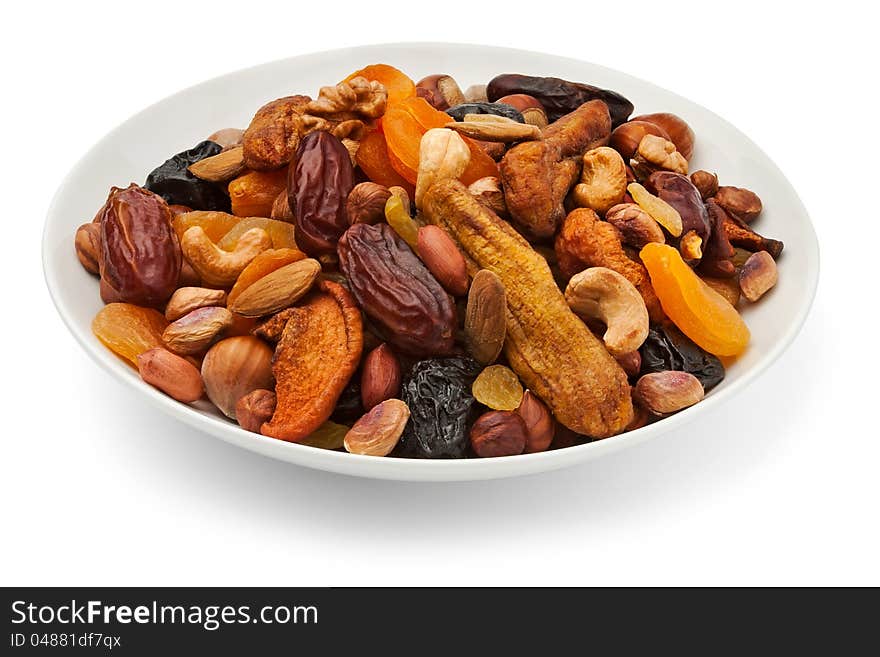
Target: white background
778, 487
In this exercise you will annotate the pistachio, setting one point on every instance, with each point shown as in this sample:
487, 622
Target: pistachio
195, 331
666, 392
758, 275
489, 127
378, 431
186, 299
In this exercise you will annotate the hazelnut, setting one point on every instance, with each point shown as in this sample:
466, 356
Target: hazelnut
758, 275
366, 203
498, 433
488, 192
530, 107
626, 137
679, 131
476, 93
743, 203
636, 226
255, 408
630, 362
441, 91
668, 391
234, 367
540, 426
88, 247
172, 374
705, 182
380, 376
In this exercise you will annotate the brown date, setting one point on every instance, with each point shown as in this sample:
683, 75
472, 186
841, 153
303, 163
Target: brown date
559, 97
140, 253
718, 251
681, 194
405, 302
319, 181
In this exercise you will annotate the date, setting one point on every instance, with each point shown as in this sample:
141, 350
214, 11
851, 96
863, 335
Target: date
407, 304
681, 194
559, 97
140, 253
319, 181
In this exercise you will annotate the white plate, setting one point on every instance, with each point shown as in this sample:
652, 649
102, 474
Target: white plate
133, 149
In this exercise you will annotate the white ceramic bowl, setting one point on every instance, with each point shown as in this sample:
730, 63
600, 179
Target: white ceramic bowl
133, 149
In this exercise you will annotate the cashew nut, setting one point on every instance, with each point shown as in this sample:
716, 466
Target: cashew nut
443, 154
603, 294
216, 266
603, 180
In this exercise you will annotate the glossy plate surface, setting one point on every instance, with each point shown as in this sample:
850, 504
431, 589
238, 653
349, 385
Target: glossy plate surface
133, 149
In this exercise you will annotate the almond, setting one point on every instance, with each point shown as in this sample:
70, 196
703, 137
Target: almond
222, 167
277, 290
443, 259
380, 376
195, 331
172, 374
485, 320
377, 432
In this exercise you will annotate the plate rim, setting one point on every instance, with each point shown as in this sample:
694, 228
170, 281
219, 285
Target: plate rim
427, 470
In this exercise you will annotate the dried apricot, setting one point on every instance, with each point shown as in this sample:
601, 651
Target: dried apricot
696, 309
264, 263
129, 330
253, 193
215, 224
372, 158
398, 218
397, 83
498, 387
280, 232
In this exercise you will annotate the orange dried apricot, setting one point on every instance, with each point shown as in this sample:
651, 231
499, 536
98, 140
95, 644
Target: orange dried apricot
398, 84
264, 263
129, 330
215, 224
697, 310
280, 232
372, 158
253, 193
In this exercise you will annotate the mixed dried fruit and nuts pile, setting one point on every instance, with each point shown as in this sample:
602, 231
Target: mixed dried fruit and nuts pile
409, 269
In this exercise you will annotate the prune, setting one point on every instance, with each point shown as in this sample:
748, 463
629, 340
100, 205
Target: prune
498, 109
559, 97
438, 393
666, 348
172, 181
349, 407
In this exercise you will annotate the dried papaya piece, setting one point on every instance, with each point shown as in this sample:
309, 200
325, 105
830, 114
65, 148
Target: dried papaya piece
129, 330
253, 193
280, 232
552, 351
372, 158
696, 309
264, 263
215, 224
319, 351
396, 82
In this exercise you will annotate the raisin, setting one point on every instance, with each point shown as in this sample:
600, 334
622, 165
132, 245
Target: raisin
438, 393
498, 109
666, 348
498, 387
172, 180
349, 406
329, 435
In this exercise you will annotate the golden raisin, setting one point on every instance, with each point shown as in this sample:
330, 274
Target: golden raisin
398, 218
498, 387
129, 330
329, 435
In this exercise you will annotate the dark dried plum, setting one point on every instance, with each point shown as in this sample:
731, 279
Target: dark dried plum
498, 109
438, 393
667, 348
349, 406
172, 181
